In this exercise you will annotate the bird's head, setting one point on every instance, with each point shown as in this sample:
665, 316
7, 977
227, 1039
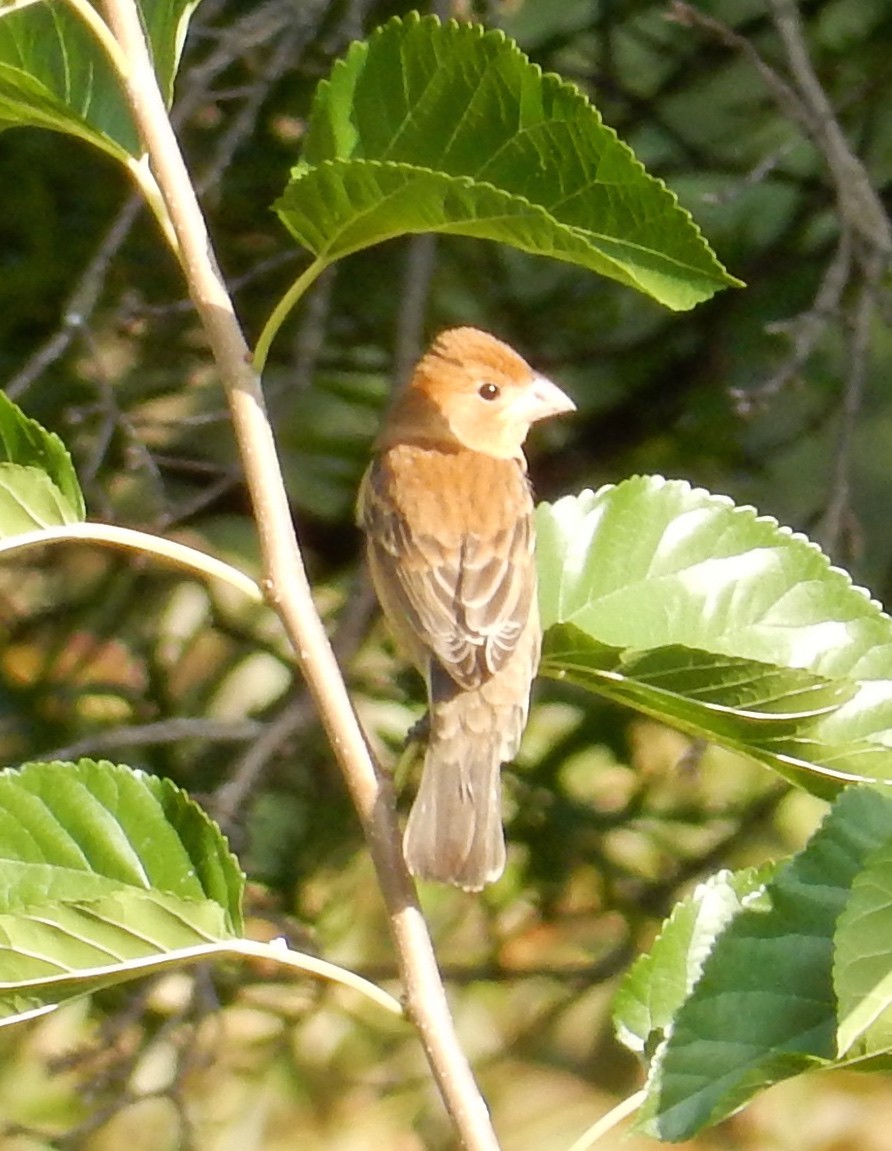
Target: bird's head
470, 390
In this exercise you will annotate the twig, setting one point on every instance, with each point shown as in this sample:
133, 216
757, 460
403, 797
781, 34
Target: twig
805, 330
858, 364
297, 26
289, 591
81, 303
164, 731
863, 215
786, 96
254, 29
230, 798
420, 263
859, 203
805, 102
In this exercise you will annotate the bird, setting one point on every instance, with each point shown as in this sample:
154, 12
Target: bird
447, 512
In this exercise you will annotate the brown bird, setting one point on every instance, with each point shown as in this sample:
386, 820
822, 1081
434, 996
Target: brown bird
448, 516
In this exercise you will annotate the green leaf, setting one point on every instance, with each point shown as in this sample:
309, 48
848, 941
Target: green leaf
659, 981
75, 832
448, 128
863, 968
719, 621
764, 1007
54, 952
29, 501
54, 73
103, 868
28, 451
750, 707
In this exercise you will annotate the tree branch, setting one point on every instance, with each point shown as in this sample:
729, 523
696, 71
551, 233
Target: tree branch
289, 591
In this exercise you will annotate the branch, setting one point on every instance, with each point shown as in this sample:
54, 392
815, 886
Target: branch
289, 591
276, 20
859, 204
858, 361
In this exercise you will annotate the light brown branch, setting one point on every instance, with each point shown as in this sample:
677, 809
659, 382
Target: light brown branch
289, 591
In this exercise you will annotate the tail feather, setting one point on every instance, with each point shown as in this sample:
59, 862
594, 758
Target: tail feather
454, 834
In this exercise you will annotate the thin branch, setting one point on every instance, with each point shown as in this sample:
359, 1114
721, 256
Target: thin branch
858, 364
859, 204
230, 798
805, 102
804, 330
81, 303
165, 731
256, 28
289, 590
785, 95
421, 260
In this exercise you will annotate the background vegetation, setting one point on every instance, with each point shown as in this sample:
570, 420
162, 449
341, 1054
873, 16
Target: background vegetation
771, 395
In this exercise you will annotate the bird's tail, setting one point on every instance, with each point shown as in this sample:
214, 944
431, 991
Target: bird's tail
454, 834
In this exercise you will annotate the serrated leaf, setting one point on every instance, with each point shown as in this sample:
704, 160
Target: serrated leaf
659, 981
447, 128
654, 566
29, 501
54, 74
862, 972
58, 950
764, 1007
75, 832
25, 443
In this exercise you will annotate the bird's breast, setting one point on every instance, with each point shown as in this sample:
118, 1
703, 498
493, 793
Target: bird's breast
456, 493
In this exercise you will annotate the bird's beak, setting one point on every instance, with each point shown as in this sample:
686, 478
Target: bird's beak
546, 399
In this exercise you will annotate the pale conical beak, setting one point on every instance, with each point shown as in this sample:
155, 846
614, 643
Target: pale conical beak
546, 399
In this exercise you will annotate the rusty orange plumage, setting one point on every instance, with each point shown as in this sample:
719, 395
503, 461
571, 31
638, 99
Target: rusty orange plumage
447, 511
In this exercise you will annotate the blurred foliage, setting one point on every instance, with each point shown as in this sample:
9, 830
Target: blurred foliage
611, 818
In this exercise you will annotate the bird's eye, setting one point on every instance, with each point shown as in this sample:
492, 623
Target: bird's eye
488, 391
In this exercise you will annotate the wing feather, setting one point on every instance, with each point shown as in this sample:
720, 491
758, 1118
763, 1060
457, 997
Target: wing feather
453, 590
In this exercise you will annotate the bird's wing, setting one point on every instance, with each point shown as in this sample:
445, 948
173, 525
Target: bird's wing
467, 604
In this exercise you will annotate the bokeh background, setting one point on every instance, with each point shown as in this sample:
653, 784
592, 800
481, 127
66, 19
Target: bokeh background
776, 395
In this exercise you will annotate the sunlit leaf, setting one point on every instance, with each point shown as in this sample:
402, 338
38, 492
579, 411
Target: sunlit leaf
670, 598
103, 868
74, 832
54, 74
764, 1007
448, 128
660, 980
54, 951
863, 967
38, 485
29, 500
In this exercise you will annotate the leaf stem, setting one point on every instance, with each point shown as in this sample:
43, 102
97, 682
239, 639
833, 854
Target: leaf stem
142, 176
190, 559
281, 310
137, 166
278, 952
275, 951
607, 1122
90, 16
